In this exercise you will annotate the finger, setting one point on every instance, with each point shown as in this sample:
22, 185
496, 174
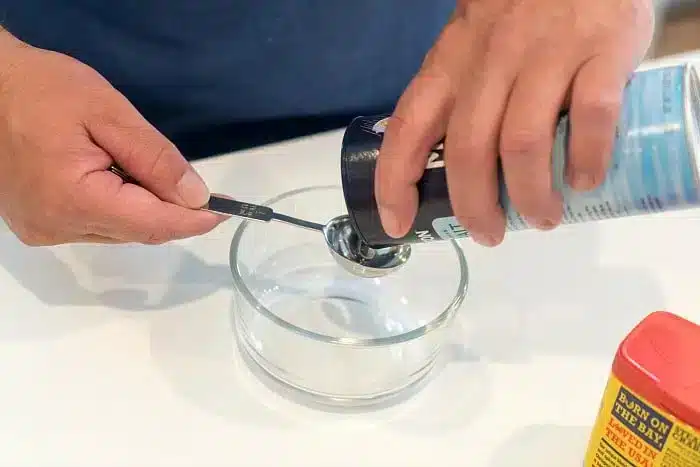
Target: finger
527, 137
130, 213
471, 145
596, 99
145, 154
416, 125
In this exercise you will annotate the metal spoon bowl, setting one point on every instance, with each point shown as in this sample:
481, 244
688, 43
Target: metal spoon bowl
355, 256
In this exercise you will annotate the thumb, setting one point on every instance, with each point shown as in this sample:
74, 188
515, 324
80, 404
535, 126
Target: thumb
145, 154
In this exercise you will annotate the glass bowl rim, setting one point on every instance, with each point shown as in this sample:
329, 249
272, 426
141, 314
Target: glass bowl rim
439, 321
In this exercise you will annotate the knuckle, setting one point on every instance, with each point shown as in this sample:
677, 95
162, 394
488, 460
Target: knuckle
519, 142
403, 156
436, 73
148, 152
156, 238
160, 155
598, 108
400, 124
159, 234
163, 232
465, 148
505, 38
129, 154
494, 42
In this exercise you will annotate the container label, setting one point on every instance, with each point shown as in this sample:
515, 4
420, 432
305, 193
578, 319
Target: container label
652, 169
631, 432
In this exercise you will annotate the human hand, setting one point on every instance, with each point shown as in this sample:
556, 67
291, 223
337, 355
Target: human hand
62, 125
494, 85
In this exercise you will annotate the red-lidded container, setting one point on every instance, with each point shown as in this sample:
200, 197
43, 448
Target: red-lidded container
650, 412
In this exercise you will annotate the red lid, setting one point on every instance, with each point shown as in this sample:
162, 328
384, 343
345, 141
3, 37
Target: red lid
660, 361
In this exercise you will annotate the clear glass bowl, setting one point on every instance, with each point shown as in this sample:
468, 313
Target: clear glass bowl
340, 339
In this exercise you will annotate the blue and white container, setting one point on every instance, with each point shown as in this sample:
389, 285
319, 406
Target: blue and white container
654, 166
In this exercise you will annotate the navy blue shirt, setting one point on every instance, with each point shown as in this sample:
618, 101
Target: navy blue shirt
215, 72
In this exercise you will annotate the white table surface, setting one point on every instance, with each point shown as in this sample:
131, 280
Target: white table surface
124, 356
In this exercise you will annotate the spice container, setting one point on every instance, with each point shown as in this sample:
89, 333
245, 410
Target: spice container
654, 165
650, 412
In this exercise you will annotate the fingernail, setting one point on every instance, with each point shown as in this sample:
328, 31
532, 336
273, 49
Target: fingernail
192, 190
484, 239
390, 222
541, 224
546, 224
